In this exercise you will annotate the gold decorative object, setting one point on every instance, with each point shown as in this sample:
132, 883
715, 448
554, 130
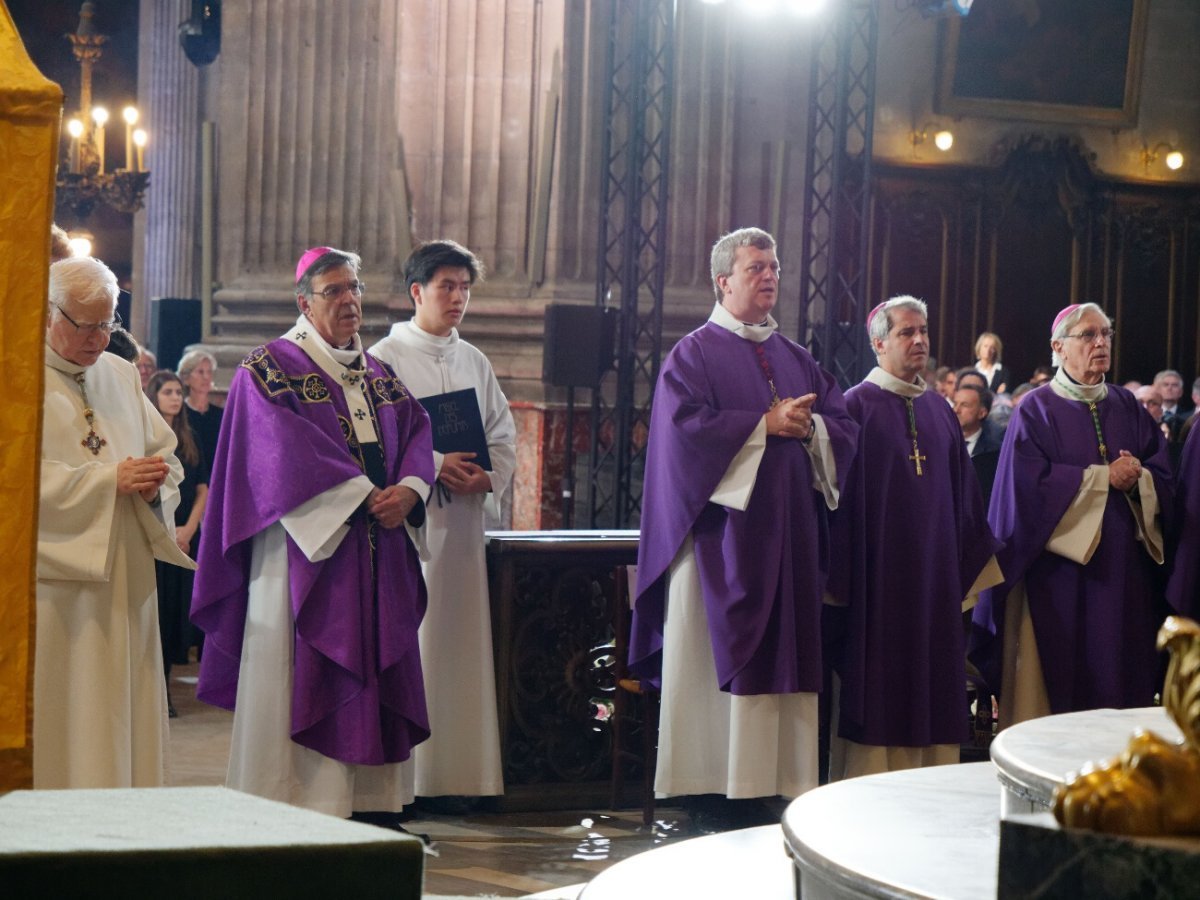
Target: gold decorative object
1153, 787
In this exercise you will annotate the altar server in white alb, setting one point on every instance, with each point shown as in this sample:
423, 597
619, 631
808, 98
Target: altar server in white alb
109, 487
462, 756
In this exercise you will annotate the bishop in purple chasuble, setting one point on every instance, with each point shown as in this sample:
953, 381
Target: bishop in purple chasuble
910, 538
287, 438
1095, 622
762, 570
1183, 591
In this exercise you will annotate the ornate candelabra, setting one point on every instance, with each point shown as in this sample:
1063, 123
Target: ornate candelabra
82, 179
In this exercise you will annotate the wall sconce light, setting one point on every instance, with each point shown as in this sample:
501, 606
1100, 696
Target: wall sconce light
943, 138
1173, 159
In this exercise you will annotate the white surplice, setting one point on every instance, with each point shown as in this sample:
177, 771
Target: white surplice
263, 758
462, 755
711, 741
100, 704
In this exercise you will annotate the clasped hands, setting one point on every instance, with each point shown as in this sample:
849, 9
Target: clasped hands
792, 417
142, 475
1124, 471
391, 505
461, 476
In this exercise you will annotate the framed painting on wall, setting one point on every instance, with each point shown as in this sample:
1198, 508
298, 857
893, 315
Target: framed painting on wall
1074, 61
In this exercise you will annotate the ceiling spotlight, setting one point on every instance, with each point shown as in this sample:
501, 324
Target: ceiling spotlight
943, 140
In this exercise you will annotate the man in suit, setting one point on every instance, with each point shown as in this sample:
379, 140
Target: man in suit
972, 405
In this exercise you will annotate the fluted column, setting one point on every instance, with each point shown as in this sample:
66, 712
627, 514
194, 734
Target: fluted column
166, 241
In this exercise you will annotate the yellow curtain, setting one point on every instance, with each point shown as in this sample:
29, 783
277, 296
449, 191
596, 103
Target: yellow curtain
30, 113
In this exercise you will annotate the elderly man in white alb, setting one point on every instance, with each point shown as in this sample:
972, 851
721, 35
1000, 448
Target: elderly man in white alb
108, 493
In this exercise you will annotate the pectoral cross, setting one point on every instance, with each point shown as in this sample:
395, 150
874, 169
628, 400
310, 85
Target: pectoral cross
916, 457
359, 414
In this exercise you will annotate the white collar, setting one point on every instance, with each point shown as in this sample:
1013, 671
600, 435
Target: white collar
347, 369
972, 440
62, 364
890, 382
756, 333
1070, 389
412, 333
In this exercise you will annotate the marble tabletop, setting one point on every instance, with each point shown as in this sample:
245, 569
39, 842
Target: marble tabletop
1033, 757
930, 832
751, 862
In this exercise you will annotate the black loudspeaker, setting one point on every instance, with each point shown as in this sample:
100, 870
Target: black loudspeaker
578, 346
174, 324
200, 33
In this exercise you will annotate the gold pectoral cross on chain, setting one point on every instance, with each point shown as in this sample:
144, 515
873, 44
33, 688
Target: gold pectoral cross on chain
917, 457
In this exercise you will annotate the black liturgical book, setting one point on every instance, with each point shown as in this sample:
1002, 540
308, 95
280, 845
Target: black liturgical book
458, 426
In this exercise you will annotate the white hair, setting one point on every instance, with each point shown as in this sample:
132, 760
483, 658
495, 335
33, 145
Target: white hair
190, 360
1069, 321
881, 322
83, 280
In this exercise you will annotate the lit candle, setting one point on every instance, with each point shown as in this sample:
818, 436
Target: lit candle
100, 117
75, 130
130, 115
139, 139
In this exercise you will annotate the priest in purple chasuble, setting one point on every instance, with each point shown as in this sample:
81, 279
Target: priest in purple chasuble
911, 546
749, 442
309, 588
1183, 590
1082, 487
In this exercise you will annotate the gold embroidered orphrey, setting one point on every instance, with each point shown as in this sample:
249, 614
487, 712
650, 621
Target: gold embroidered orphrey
92, 441
1153, 787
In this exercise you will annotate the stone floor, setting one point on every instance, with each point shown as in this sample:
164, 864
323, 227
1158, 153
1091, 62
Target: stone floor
552, 854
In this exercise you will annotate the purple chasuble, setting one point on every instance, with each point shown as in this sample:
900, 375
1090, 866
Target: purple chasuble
1095, 624
1183, 591
286, 437
762, 572
907, 548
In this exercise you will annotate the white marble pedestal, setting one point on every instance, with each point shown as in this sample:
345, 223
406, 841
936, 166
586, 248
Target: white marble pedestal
919, 833
1034, 757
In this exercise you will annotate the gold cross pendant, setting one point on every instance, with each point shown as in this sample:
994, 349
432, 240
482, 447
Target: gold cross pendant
916, 457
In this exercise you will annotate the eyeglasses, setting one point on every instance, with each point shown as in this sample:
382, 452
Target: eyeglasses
1090, 336
94, 327
335, 291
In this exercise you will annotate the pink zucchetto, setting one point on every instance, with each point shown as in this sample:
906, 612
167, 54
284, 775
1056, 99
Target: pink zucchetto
1066, 311
310, 256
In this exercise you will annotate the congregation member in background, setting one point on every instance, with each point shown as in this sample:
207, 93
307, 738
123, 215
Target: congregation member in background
946, 380
175, 584
988, 351
1019, 392
1041, 375
1175, 409
910, 544
60, 244
971, 406
147, 365
461, 759
309, 591
109, 488
1191, 420
1081, 489
196, 370
1151, 400
748, 449
122, 344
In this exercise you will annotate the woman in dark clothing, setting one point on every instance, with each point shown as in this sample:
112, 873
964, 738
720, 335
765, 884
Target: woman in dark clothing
196, 371
165, 391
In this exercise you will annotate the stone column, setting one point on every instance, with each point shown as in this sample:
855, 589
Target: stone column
166, 244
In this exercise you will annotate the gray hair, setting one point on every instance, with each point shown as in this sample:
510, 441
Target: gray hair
881, 322
725, 250
1069, 321
190, 360
83, 280
323, 263
1164, 373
